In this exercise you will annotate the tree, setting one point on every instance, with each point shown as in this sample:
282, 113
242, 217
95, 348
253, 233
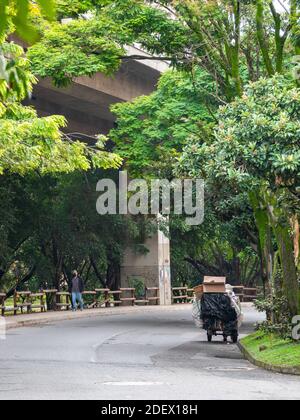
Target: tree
221, 46
233, 41
256, 149
151, 133
34, 147
29, 143
50, 226
78, 48
16, 13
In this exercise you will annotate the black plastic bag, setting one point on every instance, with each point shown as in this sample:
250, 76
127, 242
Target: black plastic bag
217, 306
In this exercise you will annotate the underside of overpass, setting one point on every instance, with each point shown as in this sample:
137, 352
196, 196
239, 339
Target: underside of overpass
86, 106
86, 102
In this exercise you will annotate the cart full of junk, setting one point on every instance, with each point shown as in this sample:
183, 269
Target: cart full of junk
217, 309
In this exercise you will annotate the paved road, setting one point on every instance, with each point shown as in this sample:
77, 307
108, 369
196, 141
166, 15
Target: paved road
159, 355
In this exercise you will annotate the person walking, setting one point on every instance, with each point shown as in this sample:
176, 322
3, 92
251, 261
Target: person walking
77, 289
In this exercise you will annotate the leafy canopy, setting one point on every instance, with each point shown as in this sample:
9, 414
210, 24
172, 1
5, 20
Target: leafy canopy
257, 139
255, 149
16, 14
97, 43
77, 48
152, 130
233, 41
29, 143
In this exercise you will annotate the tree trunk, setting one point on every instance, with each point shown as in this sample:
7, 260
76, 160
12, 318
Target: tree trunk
287, 257
296, 228
280, 39
24, 280
294, 22
235, 56
261, 36
97, 273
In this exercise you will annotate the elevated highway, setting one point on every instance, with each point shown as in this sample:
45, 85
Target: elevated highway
86, 102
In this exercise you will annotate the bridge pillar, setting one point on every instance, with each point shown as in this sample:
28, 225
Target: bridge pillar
152, 267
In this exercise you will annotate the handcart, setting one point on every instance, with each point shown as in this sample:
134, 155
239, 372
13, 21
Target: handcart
219, 317
217, 310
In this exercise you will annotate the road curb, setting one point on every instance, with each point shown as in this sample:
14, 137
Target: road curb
286, 370
55, 317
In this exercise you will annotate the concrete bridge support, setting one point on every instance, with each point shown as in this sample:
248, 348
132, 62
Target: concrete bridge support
153, 267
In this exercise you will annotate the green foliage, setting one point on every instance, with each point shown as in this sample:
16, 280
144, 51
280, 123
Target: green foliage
261, 219
280, 324
29, 143
256, 149
152, 130
257, 139
258, 135
232, 41
139, 285
223, 45
77, 48
51, 223
16, 14
15, 78
152, 27
151, 134
73, 8
97, 44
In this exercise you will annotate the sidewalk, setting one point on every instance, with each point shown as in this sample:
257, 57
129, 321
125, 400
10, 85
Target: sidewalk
28, 320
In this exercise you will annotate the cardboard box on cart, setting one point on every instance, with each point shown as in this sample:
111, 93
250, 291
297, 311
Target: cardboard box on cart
214, 285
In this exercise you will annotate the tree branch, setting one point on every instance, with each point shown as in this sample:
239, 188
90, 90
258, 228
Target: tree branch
98, 275
21, 282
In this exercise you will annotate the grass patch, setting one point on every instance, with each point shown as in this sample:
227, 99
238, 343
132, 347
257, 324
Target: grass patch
277, 352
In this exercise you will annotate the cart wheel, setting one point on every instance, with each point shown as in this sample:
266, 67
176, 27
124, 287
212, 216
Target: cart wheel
209, 337
235, 337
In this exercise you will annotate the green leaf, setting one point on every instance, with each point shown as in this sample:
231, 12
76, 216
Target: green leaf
47, 8
3, 16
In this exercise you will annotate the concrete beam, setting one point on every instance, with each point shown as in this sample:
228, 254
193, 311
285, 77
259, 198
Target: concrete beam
86, 102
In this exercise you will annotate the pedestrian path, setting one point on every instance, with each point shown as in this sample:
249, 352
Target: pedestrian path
32, 319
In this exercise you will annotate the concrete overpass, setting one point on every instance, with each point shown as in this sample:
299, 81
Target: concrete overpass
86, 102
86, 105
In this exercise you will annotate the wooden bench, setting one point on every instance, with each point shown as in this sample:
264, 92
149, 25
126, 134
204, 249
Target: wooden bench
26, 303
142, 299
102, 298
152, 295
246, 294
115, 297
41, 298
59, 305
179, 294
128, 295
250, 294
